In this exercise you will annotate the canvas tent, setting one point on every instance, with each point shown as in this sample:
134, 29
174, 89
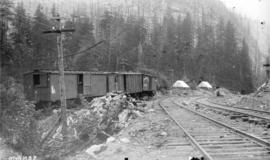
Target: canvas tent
205, 84
180, 84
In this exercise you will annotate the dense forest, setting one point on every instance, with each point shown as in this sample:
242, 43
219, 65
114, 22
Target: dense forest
199, 43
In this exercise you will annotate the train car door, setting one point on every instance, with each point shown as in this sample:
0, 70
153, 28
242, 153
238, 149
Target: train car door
125, 82
80, 83
111, 86
107, 84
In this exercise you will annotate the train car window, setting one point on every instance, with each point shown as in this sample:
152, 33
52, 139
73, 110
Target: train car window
40, 80
36, 79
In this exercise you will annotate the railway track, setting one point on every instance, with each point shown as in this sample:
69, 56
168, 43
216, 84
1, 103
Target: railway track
215, 140
246, 122
267, 113
264, 115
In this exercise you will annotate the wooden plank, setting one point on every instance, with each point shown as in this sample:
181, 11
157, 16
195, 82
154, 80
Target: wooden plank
111, 80
98, 84
120, 83
86, 84
134, 83
70, 85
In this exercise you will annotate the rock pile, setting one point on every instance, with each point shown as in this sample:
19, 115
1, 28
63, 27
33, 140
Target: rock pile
221, 92
103, 115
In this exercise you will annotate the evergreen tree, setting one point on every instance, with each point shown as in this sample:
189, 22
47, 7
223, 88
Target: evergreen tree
22, 41
85, 38
168, 42
188, 32
230, 43
187, 42
245, 70
229, 73
155, 37
44, 45
156, 42
132, 38
53, 11
220, 51
5, 45
179, 48
220, 40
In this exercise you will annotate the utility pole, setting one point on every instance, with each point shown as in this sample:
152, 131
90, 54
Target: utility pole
59, 32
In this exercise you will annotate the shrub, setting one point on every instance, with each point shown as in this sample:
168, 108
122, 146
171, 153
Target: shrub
17, 117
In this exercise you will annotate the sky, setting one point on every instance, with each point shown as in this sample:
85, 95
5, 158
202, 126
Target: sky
255, 9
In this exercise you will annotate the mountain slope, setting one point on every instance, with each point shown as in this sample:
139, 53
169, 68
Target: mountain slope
187, 32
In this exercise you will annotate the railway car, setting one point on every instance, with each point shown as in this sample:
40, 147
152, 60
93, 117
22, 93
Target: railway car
137, 83
43, 85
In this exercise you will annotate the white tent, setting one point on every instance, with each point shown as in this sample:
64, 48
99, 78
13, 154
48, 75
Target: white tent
180, 84
205, 84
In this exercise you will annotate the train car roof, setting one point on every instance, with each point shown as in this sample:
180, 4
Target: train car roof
66, 72
127, 73
146, 74
82, 72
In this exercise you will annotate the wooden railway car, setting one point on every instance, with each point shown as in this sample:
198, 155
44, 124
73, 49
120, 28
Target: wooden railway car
137, 83
43, 85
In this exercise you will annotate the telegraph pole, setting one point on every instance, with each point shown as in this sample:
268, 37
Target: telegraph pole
59, 32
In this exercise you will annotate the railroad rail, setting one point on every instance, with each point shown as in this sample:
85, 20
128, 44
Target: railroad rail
215, 140
249, 112
247, 109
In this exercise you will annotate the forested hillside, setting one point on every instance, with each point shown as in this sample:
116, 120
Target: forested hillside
182, 39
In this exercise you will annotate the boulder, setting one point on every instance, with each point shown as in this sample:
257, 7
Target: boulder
96, 149
110, 140
125, 140
123, 116
164, 134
